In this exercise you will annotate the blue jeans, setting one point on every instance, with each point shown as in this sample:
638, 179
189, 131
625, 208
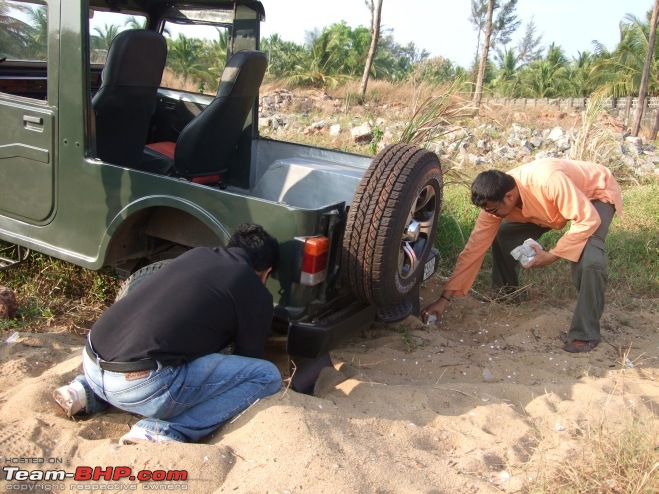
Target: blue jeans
185, 402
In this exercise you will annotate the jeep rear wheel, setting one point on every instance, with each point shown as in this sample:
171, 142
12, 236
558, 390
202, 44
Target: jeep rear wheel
392, 224
138, 277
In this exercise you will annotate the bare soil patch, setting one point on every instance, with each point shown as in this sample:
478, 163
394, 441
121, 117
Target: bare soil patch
486, 401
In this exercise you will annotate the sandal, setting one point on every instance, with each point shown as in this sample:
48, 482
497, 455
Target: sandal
580, 346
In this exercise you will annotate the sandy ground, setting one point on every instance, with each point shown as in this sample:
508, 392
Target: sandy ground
486, 401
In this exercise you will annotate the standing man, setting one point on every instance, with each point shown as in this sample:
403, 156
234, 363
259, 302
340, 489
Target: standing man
155, 352
526, 202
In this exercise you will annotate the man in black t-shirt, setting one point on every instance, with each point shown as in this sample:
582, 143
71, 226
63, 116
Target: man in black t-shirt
156, 351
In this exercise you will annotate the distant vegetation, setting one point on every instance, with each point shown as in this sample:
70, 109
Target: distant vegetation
338, 53
52, 291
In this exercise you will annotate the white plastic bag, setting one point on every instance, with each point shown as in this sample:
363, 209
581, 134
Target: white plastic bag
524, 253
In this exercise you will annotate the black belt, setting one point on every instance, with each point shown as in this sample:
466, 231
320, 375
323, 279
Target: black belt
138, 365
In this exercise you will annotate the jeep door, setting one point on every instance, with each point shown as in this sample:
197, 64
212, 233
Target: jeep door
28, 111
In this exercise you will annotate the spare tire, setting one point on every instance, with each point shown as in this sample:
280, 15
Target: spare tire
391, 224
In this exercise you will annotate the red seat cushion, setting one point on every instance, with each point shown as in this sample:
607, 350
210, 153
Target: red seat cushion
165, 148
206, 179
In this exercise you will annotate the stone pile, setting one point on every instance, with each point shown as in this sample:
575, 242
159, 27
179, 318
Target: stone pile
285, 113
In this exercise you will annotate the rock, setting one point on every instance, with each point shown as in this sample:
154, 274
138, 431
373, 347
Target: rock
363, 133
483, 144
546, 154
555, 134
634, 144
527, 145
619, 137
564, 143
646, 168
506, 152
474, 159
513, 141
520, 141
536, 141
8, 304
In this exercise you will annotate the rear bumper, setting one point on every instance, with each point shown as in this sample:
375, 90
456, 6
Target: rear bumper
316, 338
309, 342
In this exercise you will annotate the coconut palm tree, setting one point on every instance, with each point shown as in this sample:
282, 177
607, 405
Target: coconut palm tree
480, 78
14, 33
214, 58
282, 55
578, 75
376, 12
506, 78
547, 77
323, 63
104, 36
184, 57
134, 23
543, 79
37, 45
556, 56
647, 67
618, 73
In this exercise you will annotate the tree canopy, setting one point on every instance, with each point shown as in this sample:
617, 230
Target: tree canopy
518, 65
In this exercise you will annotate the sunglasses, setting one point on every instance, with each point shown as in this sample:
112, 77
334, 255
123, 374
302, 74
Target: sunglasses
493, 210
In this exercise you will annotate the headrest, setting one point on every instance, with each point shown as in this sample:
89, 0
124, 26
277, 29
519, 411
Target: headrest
243, 70
136, 58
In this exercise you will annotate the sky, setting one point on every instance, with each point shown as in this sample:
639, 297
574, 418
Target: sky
442, 27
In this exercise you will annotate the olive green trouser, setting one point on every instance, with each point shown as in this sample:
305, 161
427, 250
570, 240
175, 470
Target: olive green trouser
589, 273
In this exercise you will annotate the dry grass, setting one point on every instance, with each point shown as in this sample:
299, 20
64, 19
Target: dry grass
408, 95
438, 116
613, 452
608, 461
595, 141
175, 81
430, 112
616, 454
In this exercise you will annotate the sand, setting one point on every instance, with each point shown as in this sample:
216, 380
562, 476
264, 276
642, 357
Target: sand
485, 401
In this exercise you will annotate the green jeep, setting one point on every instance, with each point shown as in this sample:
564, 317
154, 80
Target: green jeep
102, 165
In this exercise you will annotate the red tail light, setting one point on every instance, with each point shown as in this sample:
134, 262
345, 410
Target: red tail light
314, 262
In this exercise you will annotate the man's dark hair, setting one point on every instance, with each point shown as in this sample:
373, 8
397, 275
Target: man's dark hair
490, 186
261, 247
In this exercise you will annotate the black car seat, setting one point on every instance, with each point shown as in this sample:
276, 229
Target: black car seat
203, 148
126, 100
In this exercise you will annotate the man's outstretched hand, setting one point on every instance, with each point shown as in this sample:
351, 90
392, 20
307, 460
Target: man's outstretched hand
435, 310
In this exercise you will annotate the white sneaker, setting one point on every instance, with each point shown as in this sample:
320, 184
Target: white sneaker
139, 435
71, 398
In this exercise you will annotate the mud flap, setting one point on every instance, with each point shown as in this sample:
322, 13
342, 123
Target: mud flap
305, 371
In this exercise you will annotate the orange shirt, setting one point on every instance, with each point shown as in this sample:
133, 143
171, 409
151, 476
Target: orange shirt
553, 192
